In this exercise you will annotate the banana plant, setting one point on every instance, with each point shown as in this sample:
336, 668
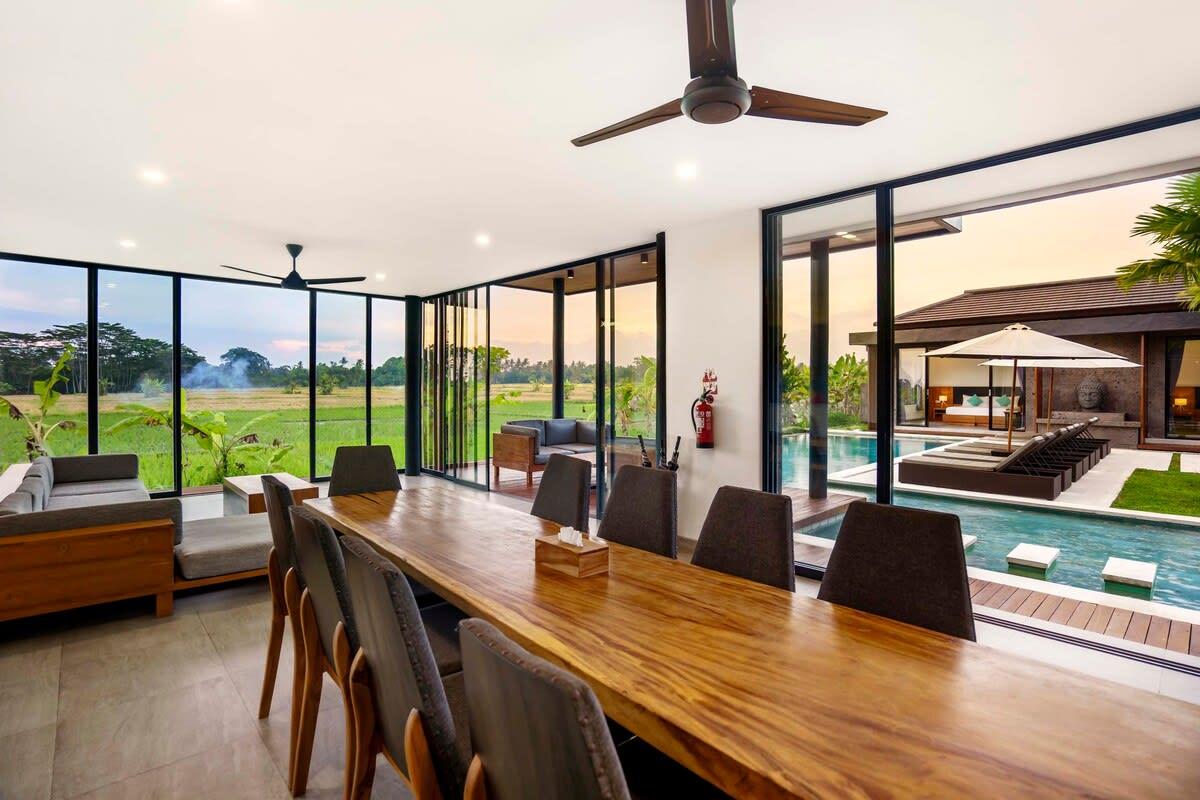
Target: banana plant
230, 451
38, 431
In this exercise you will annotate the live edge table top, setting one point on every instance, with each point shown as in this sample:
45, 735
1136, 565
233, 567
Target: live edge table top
770, 694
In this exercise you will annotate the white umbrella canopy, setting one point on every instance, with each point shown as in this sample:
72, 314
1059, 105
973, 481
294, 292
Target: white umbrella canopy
1015, 343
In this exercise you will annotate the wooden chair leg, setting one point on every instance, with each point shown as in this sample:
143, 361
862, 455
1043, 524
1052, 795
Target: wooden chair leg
291, 593
310, 700
164, 604
365, 741
275, 640
475, 788
341, 665
421, 774
529, 479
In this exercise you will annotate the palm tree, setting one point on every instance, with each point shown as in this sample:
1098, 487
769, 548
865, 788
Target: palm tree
1176, 229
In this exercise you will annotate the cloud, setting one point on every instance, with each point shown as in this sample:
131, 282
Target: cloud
290, 345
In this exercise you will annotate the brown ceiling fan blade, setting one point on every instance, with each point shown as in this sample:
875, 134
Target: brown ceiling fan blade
710, 38
312, 281
652, 117
253, 272
782, 105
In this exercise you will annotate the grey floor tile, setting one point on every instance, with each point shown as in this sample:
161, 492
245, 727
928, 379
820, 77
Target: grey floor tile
20, 665
29, 703
26, 762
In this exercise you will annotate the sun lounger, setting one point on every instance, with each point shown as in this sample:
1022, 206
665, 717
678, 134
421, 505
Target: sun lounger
1016, 473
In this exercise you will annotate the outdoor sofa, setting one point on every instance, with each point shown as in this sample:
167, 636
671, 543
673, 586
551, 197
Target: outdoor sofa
527, 445
81, 530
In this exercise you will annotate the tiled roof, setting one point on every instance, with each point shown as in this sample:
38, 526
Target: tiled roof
1086, 297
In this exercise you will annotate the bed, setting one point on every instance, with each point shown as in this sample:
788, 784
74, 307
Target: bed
972, 415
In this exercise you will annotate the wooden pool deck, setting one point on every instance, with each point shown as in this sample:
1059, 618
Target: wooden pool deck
808, 511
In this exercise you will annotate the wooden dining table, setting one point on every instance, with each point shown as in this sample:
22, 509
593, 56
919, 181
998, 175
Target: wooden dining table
767, 693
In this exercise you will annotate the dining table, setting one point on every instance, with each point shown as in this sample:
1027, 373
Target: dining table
768, 693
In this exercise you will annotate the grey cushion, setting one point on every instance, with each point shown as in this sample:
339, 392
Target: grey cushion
323, 570
91, 516
17, 502
56, 503
543, 455
72, 469
48, 464
97, 487
39, 470
363, 468
585, 432
223, 545
575, 447
538, 425
36, 489
560, 431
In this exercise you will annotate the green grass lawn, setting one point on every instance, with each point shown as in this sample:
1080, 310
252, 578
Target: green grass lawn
1169, 492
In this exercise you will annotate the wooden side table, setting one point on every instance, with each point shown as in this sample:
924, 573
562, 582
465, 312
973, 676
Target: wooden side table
244, 493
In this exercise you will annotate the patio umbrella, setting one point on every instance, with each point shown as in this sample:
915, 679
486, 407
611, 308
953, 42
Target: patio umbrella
1053, 364
1015, 343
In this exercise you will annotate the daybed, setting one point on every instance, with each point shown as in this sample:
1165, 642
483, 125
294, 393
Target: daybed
527, 445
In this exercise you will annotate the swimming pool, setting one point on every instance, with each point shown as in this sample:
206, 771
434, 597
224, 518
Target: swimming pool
845, 451
1086, 540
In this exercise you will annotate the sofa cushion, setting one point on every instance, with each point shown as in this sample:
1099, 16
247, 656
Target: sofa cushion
48, 465
72, 469
538, 426
42, 473
17, 502
64, 519
223, 545
36, 489
59, 502
585, 432
543, 456
560, 431
97, 487
575, 448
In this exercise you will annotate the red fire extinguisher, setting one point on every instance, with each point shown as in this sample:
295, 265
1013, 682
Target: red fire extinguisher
702, 412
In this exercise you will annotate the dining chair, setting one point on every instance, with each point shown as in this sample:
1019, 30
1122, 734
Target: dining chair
363, 468
564, 494
286, 589
330, 635
749, 534
403, 707
902, 563
641, 510
537, 730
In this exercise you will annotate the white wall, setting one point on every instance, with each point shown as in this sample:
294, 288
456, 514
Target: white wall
714, 320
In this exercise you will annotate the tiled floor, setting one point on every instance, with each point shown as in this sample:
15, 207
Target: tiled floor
114, 703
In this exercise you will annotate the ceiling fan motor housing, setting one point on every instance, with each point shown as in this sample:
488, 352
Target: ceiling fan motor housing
713, 99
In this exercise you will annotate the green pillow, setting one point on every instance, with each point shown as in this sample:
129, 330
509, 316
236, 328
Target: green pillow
974, 400
1003, 401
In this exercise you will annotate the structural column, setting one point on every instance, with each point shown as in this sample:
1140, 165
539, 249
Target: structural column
413, 331
818, 404
559, 350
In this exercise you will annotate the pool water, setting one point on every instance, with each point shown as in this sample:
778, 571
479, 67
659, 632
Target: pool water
1086, 540
845, 451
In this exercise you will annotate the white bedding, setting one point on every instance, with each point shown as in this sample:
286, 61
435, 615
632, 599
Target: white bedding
974, 411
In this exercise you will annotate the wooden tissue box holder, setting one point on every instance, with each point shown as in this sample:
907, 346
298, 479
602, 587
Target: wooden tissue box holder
579, 562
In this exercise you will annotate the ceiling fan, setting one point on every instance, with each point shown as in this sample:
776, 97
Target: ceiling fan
293, 280
716, 94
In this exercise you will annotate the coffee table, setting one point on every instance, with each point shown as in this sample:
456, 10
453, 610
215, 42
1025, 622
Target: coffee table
244, 493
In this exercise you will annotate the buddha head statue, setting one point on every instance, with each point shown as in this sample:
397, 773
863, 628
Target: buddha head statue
1090, 393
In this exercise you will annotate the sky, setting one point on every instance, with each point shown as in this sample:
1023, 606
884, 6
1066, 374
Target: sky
1080, 236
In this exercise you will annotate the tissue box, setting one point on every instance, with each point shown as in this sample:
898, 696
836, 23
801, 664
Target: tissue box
578, 562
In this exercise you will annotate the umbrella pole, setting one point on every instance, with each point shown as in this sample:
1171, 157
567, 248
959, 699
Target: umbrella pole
1012, 404
1050, 402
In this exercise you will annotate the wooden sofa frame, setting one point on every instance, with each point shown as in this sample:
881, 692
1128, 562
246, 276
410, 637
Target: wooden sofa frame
515, 451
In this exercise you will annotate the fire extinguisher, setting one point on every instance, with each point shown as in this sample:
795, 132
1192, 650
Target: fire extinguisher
702, 412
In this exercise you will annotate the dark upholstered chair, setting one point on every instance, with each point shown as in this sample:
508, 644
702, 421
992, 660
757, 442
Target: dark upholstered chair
564, 494
537, 730
363, 468
285, 604
402, 706
641, 510
903, 563
749, 534
327, 622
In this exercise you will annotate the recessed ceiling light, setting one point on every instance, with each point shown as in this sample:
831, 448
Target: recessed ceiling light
645, 258
849, 236
128, 244
381, 276
686, 171
841, 233
153, 175
482, 239
570, 274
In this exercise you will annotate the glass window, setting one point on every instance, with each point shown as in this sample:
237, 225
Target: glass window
43, 335
388, 376
136, 394
911, 399
341, 375
244, 381
1183, 385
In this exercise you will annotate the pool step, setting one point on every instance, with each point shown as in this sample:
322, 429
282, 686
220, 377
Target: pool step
1129, 572
969, 541
1034, 556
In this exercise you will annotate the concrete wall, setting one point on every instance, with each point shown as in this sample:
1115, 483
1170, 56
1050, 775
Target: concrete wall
714, 320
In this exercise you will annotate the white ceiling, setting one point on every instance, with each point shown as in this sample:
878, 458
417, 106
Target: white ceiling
385, 135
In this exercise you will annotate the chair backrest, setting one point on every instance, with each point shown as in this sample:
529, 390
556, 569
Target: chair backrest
363, 468
564, 493
277, 497
319, 562
902, 563
642, 510
1022, 453
749, 534
538, 730
403, 670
